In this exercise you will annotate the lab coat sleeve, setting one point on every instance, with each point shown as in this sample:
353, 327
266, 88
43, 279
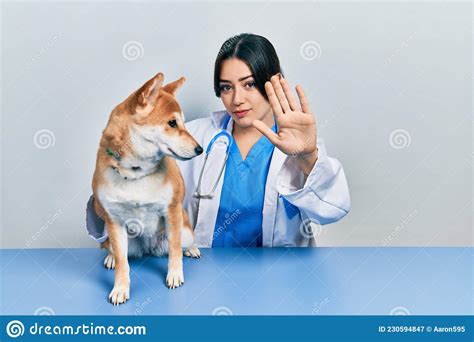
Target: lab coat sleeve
323, 196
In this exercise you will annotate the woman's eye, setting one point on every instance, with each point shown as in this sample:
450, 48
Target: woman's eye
172, 123
225, 87
250, 84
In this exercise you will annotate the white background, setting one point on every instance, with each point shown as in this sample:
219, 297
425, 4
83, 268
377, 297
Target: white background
381, 70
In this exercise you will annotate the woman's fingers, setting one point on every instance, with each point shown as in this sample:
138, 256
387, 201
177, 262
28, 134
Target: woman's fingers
275, 79
289, 95
272, 98
303, 100
267, 131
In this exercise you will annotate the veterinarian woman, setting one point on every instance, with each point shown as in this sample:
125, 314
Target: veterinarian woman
277, 176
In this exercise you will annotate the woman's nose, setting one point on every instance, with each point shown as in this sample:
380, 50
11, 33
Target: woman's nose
238, 98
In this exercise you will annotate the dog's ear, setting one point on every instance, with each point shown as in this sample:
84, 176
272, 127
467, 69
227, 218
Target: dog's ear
172, 88
148, 94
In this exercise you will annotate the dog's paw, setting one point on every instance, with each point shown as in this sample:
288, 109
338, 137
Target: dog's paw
192, 252
109, 262
175, 278
119, 294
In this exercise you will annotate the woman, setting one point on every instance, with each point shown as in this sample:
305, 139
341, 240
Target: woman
265, 196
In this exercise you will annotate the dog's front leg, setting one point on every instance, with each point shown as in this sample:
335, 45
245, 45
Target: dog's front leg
175, 275
119, 240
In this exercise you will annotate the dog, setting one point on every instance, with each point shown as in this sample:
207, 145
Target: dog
137, 186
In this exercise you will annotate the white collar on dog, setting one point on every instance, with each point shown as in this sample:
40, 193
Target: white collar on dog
130, 174
137, 171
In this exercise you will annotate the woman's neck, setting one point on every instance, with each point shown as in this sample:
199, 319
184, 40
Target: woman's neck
246, 137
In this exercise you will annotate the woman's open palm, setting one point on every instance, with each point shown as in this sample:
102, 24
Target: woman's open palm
296, 134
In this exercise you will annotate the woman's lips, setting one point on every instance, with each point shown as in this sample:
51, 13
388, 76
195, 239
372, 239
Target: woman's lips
241, 113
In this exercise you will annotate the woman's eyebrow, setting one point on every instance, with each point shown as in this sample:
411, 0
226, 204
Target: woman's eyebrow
240, 79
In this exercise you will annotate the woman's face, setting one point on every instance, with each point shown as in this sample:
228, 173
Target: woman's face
240, 96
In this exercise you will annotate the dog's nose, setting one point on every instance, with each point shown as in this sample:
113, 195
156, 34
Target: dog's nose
198, 150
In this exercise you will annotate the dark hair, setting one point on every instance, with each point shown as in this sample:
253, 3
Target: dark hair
255, 51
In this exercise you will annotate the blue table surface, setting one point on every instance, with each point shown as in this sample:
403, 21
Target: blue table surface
273, 281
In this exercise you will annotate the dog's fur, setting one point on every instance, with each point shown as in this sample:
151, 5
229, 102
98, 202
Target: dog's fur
138, 189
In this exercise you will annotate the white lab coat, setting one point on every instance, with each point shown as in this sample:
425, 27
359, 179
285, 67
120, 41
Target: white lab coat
290, 202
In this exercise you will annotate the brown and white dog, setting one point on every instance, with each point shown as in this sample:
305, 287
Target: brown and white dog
138, 188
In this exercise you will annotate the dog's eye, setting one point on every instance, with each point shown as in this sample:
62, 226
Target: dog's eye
172, 123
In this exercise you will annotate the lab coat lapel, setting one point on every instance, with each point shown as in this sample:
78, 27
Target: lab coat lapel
271, 198
208, 208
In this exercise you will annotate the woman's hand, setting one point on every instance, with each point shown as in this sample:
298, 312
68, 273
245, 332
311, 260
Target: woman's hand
296, 136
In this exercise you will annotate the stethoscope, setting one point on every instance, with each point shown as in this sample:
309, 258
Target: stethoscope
230, 140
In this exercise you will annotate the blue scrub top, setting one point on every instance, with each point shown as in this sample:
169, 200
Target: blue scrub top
239, 219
